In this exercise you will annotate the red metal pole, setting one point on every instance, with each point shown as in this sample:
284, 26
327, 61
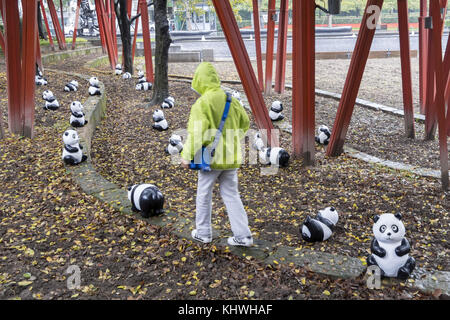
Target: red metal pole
135, 33
147, 41
303, 75
129, 8
353, 80
269, 46
75, 26
101, 28
436, 35
113, 30
2, 42
44, 15
257, 30
59, 35
108, 35
62, 17
423, 56
403, 28
245, 70
281, 47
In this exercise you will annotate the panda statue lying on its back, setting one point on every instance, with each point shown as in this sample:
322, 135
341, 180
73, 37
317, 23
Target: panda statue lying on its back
390, 248
71, 86
146, 199
321, 227
168, 102
72, 153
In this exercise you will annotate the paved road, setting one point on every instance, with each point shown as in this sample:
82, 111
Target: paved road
330, 44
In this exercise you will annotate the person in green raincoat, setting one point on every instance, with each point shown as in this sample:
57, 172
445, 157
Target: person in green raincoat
204, 120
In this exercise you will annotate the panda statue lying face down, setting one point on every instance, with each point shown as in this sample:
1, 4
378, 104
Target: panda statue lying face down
168, 102
71, 86
77, 115
144, 86
94, 86
390, 248
146, 199
321, 227
323, 135
274, 156
72, 153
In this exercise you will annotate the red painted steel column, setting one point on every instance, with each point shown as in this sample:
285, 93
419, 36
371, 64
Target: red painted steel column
113, 30
135, 33
269, 46
62, 17
303, 74
108, 35
29, 39
403, 28
101, 28
44, 15
59, 35
2, 42
129, 8
281, 47
257, 29
245, 69
13, 65
423, 56
353, 80
436, 35
147, 41
75, 26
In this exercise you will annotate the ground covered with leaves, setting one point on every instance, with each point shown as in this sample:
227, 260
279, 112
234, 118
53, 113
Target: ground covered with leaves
47, 223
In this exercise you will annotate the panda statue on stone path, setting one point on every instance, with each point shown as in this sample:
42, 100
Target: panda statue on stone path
77, 115
94, 87
390, 248
146, 199
321, 227
72, 153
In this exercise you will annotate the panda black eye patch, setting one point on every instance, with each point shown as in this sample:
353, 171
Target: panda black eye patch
394, 228
382, 228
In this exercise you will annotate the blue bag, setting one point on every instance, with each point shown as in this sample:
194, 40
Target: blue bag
202, 159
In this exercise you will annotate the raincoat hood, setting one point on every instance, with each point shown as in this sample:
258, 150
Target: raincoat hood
205, 78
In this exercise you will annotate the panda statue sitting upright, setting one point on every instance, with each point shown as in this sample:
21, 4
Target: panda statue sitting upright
126, 76
160, 122
146, 199
321, 227
168, 102
77, 115
118, 70
323, 135
72, 153
175, 145
94, 86
50, 101
275, 111
141, 77
390, 248
274, 156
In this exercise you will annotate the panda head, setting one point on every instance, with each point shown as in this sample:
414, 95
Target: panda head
48, 95
94, 81
330, 213
76, 106
158, 115
388, 227
74, 82
282, 157
175, 139
140, 73
139, 86
277, 106
126, 75
235, 94
70, 137
118, 66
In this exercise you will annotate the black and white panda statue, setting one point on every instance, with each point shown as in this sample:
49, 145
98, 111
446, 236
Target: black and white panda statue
390, 248
50, 101
160, 122
258, 143
323, 135
275, 111
72, 153
40, 81
175, 145
235, 94
168, 102
146, 199
274, 156
94, 86
118, 69
71, 86
126, 76
77, 119
141, 77
144, 86
321, 227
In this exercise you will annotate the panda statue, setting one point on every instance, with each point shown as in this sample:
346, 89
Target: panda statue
275, 111
175, 145
118, 70
146, 199
126, 76
160, 122
40, 81
144, 86
72, 153
323, 135
235, 94
71, 86
168, 102
141, 77
390, 248
50, 101
274, 156
258, 143
77, 119
94, 87
321, 227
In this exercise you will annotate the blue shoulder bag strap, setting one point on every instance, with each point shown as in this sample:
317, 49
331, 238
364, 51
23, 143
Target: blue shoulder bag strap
222, 124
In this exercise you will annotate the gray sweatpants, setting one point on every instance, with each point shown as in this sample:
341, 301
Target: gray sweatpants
228, 182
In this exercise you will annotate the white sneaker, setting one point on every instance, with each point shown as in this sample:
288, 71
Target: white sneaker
198, 238
245, 242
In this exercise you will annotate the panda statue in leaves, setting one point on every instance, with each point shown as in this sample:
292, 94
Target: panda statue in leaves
144, 86
72, 153
168, 102
50, 101
141, 77
94, 87
235, 94
175, 145
321, 227
126, 76
323, 135
390, 248
146, 199
160, 122
118, 70
274, 156
77, 115
39, 79
71, 86
275, 111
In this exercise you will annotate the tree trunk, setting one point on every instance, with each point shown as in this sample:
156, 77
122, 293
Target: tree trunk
162, 44
2, 131
125, 34
42, 33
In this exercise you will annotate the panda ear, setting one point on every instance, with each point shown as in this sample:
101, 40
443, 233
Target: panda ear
375, 218
398, 216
